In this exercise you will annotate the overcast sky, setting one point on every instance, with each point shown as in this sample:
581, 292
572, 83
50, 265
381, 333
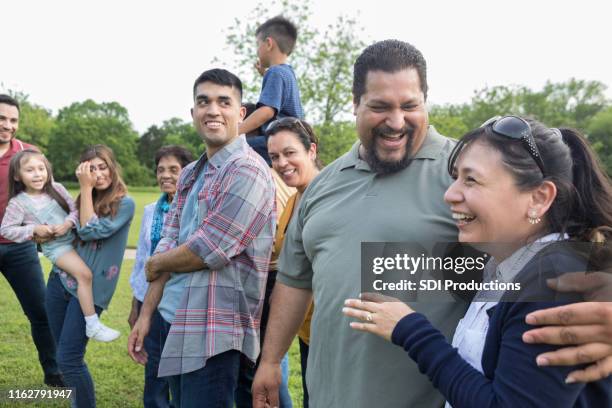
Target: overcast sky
145, 55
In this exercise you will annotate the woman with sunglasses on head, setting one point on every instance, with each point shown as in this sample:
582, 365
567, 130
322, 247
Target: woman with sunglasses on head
292, 146
529, 193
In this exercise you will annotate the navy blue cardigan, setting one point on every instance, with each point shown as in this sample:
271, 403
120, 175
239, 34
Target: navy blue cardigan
511, 377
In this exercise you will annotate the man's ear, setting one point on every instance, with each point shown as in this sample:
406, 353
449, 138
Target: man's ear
242, 113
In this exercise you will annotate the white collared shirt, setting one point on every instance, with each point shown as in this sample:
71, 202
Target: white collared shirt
471, 332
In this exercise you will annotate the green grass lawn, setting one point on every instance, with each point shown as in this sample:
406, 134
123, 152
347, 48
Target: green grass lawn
118, 381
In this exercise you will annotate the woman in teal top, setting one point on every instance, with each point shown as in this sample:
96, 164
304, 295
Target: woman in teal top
105, 213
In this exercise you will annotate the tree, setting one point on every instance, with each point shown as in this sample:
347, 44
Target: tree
571, 104
448, 120
600, 137
566, 104
172, 131
86, 123
335, 139
35, 121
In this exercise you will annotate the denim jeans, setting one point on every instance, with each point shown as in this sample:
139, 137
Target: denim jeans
303, 362
20, 266
212, 386
244, 398
68, 327
156, 389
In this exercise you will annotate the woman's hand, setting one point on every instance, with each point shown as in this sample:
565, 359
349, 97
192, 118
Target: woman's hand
379, 316
87, 182
87, 179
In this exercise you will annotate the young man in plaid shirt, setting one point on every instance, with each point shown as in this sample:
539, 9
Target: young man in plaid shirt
209, 270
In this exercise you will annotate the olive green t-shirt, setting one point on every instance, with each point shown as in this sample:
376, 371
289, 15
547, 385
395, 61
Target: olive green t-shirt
345, 205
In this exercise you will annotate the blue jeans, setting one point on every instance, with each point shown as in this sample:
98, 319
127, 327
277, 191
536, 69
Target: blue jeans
304, 363
68, 327
156, 389
244, 397
20, 266
212, 386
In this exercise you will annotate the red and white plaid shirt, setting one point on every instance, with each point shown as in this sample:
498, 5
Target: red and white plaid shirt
220, 308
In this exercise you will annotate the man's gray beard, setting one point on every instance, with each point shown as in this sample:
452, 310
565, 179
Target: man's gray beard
382, 167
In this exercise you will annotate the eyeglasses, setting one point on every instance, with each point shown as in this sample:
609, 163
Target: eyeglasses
288, 121
517, 128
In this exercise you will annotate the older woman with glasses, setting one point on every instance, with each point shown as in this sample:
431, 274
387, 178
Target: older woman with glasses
531, 194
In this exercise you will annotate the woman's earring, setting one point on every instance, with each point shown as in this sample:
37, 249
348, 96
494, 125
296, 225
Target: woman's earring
533, 218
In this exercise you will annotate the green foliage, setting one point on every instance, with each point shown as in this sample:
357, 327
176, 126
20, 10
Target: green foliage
448, 120
335, 139
571, 104
322, 60
600, 136
35, 122
86, 123
172, 131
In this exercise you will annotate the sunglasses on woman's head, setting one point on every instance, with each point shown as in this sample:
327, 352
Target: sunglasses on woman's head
516, 128
286, 121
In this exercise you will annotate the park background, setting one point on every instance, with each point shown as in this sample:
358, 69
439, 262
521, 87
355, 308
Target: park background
122, 75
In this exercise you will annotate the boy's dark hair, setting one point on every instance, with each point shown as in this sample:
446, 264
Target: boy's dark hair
9, 100
220, 77
282, 30
181, 154
388, 56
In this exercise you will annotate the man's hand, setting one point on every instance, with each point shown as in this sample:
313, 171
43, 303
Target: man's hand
260, 68
585, 326
133, 316
62, 229
151, 270
266, 384
135, 340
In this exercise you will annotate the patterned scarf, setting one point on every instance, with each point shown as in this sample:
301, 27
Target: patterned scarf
161, 208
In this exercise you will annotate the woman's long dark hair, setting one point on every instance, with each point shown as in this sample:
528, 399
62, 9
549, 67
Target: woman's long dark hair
16, 186
583, 205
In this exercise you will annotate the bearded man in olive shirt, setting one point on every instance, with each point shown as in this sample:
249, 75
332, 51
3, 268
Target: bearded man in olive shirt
388, 187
